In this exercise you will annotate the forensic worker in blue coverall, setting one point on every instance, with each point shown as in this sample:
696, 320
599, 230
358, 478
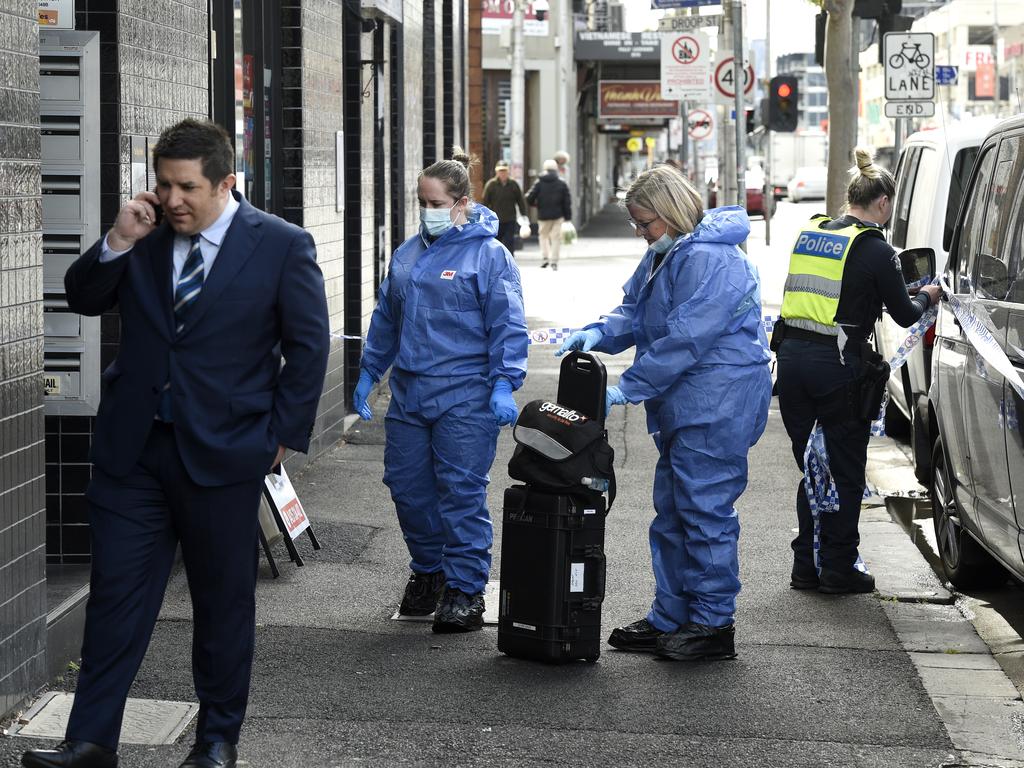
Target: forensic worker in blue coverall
450, 321
693, 311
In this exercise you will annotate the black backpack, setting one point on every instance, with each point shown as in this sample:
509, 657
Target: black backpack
561, 450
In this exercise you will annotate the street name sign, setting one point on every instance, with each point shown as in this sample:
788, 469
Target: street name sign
909, 66
946, 75
724, 81
685, 23
700, 124
910, 109
685, 65
656, 4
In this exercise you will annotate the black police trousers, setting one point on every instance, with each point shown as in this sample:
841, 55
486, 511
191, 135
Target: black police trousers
813, 383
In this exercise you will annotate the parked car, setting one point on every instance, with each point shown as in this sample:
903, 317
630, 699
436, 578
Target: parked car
978, 452
930, 178
808, 183
754, 196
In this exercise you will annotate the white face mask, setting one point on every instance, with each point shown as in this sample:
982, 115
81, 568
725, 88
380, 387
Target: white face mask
437, 221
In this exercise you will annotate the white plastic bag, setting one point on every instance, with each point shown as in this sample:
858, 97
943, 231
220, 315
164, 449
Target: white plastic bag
568, 233
524, 227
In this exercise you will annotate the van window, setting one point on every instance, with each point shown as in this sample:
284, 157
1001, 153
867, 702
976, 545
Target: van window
906, 172
998, 246
963, 164
974, 219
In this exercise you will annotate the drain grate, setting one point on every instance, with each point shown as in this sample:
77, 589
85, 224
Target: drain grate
146, 721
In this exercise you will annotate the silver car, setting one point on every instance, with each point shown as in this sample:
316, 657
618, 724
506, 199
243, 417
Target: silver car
978, 449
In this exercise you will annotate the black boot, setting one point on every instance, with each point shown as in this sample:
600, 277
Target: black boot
422, 592
845, 582
459, 612
211, 754
697, 642
71, 754
638, 636
801, 578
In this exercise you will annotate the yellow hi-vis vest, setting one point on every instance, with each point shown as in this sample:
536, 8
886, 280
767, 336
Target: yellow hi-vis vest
816, 274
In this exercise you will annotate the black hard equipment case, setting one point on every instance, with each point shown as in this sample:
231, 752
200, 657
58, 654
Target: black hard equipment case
552, 549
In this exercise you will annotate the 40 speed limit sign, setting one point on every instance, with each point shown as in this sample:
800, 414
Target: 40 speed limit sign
725, 89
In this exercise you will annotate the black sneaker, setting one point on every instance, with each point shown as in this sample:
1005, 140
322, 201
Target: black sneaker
542, 266
698, 642
842, 583
639, 636
422, 592
459, 612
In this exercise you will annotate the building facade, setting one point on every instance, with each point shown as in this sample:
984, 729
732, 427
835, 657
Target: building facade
334, 107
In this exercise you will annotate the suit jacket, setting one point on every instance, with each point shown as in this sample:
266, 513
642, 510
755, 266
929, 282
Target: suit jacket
233, 401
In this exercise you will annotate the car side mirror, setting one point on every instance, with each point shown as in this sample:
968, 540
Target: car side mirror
917, 264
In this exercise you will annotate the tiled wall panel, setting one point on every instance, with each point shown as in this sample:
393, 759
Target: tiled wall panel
22, 447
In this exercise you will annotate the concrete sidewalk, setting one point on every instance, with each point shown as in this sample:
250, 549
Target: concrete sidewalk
820, 681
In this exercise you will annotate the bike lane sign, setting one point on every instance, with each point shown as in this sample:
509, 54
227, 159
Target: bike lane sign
909, 66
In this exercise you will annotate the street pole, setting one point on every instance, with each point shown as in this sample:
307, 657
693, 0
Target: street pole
517, 104
726, 186
855, 70
995, 56
768, 196
739, 70
565, 55
684, 135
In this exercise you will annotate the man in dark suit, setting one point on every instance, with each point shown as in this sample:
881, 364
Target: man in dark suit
196, 410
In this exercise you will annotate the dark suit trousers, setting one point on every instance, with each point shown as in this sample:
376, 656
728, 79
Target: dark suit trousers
507, 235
137, 522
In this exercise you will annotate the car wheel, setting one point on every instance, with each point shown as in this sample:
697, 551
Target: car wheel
966, 564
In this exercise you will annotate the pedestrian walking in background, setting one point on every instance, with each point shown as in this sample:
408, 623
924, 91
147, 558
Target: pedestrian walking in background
505, 197
196, 410
693, 311
840, 273
450, 325
554, 205
561, 159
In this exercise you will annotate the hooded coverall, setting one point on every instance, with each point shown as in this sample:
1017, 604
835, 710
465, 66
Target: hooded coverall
701, 368
450, 319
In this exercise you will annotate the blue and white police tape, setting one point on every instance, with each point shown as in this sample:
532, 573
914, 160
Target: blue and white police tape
820, 489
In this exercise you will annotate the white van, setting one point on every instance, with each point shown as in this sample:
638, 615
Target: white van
933, 169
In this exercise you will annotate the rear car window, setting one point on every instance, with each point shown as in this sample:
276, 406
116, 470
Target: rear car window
963, 164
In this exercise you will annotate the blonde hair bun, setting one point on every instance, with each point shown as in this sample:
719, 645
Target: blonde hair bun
865, 163
462, 157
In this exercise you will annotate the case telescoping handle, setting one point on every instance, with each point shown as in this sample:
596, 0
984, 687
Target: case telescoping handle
595, 554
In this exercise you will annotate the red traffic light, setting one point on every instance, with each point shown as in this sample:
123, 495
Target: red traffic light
784, 91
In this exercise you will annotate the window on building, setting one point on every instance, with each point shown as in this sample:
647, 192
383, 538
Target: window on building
979, 35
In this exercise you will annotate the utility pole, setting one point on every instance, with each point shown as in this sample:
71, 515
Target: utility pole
739, 71
568, 73
517, 104
995, 56
768, 195
726, 186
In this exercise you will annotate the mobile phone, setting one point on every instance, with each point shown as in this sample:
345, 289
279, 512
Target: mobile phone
158, 215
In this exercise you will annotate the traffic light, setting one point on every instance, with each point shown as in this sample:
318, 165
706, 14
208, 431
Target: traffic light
782, 104
751, 123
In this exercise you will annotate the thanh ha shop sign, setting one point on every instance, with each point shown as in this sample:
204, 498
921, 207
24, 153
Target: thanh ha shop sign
634, 99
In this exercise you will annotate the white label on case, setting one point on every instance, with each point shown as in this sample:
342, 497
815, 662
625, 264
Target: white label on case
589, 511
576, 577
530, 627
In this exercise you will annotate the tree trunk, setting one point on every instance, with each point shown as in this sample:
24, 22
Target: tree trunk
842, 101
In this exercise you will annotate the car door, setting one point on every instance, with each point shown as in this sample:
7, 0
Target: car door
950, 363
984, 387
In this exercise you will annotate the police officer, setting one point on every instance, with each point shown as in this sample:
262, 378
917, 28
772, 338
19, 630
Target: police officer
840, 273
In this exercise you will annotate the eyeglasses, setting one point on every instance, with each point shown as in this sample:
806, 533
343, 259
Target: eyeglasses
641, 226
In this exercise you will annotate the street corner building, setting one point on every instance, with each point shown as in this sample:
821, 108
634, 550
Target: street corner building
334, 106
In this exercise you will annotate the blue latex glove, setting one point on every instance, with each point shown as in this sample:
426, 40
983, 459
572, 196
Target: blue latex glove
362, 392
502, 405
613, 396
581, 340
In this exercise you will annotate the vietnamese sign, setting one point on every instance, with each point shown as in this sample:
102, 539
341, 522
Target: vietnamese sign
685, 66
909, 66
497, 14
633, 99
617, 46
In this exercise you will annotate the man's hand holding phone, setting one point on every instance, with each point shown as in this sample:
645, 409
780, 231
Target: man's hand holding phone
136, 219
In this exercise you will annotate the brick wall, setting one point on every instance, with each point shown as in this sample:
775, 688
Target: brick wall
22, 510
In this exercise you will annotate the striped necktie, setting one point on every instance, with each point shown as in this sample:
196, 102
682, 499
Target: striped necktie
186, 292
190, 283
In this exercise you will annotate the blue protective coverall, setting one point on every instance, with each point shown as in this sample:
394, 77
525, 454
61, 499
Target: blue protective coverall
701, 368
450, 319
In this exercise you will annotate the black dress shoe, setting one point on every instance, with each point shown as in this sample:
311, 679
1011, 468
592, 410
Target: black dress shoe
698, 642
799, 579
211, 754
842, 583
638, 636
422, 592
71, 754
459, 612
